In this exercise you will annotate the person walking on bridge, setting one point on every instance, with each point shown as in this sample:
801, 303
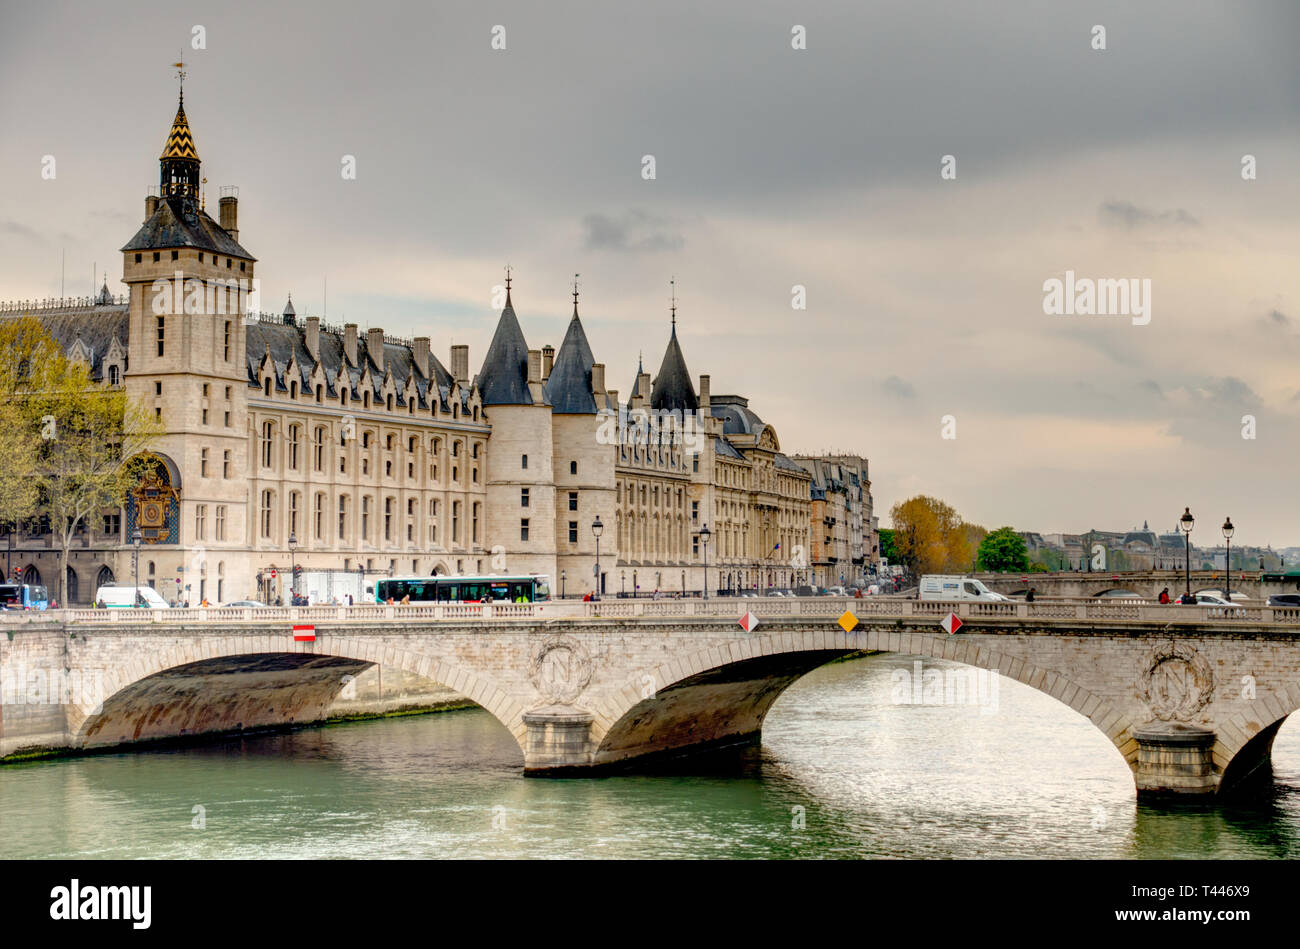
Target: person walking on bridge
1164, 595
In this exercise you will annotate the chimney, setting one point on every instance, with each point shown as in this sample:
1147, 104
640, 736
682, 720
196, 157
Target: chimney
420, 353
150, 205
311, 337
229, 215
597, 378
460, 364
613, 397
534, 365
350, 343
375, 347
643, 386
548, 361
704, 392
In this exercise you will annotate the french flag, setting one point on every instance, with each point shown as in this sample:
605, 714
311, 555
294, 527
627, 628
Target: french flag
304, 634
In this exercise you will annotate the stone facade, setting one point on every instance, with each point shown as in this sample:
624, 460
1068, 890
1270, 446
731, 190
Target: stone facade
288, 441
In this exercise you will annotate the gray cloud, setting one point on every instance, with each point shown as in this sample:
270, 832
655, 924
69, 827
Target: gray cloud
899, 388
1130, 216
631, 232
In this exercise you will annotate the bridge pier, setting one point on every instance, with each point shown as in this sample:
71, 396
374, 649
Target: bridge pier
1174, 761
558, 739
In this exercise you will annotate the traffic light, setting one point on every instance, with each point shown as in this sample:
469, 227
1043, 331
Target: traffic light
297, 571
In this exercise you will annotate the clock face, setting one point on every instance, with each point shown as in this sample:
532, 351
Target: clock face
151, 514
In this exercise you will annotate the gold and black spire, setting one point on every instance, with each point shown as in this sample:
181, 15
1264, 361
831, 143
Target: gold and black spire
180, 159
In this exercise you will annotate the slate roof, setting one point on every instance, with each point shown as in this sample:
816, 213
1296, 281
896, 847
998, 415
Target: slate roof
636, 383
738, 418
727, 450
784, 463
175, 225
180, 142
672, 388
503, 380
95, 328
568, 388
285, 342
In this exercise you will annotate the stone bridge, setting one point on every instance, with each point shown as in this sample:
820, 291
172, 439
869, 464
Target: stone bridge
1146, 584
1189, 697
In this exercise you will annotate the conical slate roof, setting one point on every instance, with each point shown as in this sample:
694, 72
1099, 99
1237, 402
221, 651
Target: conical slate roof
672, 388
503, 380
636, 383
568, 388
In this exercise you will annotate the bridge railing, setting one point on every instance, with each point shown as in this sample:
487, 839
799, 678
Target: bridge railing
730, 608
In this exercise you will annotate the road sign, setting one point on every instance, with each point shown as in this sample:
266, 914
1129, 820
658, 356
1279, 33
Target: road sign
848, 621
951, 623
748, 622
304, 634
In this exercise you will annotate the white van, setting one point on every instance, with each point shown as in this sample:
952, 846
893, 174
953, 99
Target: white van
939, 587
114, 597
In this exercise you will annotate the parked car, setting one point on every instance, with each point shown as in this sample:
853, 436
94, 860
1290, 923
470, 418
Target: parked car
1284, 599
255, 604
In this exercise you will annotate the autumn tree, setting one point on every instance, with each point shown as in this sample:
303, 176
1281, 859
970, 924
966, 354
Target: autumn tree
930, 536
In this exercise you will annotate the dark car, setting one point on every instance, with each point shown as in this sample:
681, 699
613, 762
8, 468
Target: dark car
1284, 599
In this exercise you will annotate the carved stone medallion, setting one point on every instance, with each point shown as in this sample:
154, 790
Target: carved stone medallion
1175, 681
561, 670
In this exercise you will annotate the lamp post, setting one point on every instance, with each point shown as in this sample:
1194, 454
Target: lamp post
622, 583
704, 535
1227, 559
561, 584
596, 529
1185, 524
293, 569
636, 587
136, 538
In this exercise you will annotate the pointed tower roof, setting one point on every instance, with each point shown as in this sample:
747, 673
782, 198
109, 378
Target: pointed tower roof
672, 388
568, 388
636, 383
180, 143
503, 380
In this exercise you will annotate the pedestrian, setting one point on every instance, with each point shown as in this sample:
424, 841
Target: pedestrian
1029, 595
349, 599
406, 600
1164, 595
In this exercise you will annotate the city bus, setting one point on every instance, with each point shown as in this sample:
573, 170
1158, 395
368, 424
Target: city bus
24, 596
532, 588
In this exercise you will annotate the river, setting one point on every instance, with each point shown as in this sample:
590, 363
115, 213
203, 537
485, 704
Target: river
846, 769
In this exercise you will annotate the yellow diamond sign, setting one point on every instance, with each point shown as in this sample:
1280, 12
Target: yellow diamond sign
848, 621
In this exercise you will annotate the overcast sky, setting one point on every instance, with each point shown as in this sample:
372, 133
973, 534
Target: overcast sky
774, 167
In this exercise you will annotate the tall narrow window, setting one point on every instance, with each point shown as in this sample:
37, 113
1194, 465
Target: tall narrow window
318, 452
293, 513
203, 463
200, 522
319, 531
227, 340
225, 463
161, 328
221, 522
343, 517
267, 502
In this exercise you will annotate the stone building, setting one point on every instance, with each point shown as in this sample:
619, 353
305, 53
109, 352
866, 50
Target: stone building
288, 440
844, 544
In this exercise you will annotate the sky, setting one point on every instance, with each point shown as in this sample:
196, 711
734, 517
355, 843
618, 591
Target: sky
774, 168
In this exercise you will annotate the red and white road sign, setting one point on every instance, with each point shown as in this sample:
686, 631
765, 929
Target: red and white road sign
748, 622
951, 623
304, 634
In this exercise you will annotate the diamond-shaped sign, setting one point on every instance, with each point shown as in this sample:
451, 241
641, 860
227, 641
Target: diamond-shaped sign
848, 621
951, 623
748, 622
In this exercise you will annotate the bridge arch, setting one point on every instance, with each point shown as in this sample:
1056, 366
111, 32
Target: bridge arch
98, 714
1244, 741
618, 718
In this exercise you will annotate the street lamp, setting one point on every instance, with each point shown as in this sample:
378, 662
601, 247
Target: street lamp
622, 583
136, 537
635, 586
561, 584
1185, 524
293, 569
597, 528
704, 535
1227, 559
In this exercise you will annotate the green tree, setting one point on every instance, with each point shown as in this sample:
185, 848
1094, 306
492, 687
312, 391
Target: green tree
1003, 550
887, 548
87, 443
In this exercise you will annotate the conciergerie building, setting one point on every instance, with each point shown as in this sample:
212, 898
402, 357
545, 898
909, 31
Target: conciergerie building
364, 452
